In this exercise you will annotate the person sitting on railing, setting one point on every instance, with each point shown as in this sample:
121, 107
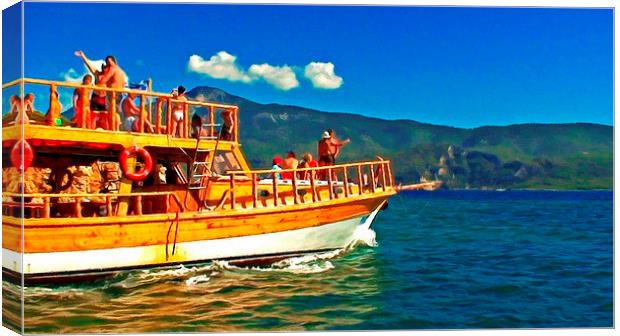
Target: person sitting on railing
78, 104
133, 115
53, 113
15, 109
28, 108
148, 126
197, 129
290, 162
277, 166
130, 111
178, 111
308, 162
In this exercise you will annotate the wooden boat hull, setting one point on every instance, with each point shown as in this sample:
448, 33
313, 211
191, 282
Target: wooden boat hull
57, 252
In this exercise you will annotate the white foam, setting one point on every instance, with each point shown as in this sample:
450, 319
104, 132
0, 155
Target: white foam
197, 280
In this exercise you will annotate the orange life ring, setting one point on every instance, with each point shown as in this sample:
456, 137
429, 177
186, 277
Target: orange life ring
146, 157
16, 155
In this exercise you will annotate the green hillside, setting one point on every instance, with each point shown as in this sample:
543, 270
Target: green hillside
554, 156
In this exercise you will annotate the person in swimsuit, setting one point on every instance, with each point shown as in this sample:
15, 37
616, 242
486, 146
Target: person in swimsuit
290, 162
329, 148
28, 107
53, 113
15, 109
308, 162
98, 106
326, 157
78, 104
130, 110
178, 111
335, 144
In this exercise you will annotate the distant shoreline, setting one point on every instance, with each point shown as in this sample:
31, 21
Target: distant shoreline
516, 189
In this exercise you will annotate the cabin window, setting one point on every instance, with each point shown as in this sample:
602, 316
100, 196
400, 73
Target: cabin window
225, 161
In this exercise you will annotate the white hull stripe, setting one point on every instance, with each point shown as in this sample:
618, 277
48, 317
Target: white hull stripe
324, 237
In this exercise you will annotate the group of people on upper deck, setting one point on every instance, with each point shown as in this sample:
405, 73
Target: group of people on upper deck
328, 149
99, 103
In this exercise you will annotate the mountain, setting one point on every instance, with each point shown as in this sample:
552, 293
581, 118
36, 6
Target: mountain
551, 156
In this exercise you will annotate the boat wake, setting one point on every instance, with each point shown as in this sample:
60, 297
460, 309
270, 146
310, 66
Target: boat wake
200, 274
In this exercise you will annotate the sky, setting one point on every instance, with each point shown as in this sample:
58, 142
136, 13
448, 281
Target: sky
463, 67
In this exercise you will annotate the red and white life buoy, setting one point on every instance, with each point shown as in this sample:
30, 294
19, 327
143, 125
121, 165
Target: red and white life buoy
146, 157
16, 155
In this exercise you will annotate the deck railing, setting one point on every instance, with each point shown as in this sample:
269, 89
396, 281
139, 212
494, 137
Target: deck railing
370, 178
163, 111
75, 205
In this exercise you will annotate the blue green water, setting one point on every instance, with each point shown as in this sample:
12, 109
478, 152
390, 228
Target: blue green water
443, 260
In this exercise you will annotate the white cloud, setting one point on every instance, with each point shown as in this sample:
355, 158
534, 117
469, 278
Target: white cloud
65, 97
322, 75
221, 66
282, 78
71, 76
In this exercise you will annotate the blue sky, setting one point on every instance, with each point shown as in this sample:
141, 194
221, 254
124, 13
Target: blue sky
463, 67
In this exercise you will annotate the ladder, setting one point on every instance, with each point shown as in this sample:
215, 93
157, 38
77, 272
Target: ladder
201, 170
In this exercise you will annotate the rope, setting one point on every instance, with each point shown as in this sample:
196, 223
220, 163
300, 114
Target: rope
176, 230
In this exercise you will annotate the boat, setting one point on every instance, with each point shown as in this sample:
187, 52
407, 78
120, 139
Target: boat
161, 198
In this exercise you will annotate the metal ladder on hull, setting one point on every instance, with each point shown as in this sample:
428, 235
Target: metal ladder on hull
201, 170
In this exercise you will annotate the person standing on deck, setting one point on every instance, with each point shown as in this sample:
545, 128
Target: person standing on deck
53, 113
113, 76
178, 111
78, 104
98, 105
329, 148
335, 143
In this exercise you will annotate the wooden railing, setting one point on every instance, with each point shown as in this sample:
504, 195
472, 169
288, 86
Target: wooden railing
164, 107
73, 205
371, 177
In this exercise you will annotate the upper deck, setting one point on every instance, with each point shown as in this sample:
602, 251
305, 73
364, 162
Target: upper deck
153, 127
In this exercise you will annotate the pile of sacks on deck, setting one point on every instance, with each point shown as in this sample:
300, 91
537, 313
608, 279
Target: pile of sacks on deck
76, 179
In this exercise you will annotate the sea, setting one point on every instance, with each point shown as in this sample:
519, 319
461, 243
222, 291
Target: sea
433, 260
